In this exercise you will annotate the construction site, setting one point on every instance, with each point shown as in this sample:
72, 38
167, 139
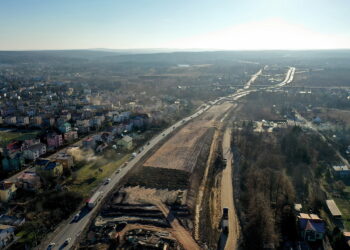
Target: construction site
168, 201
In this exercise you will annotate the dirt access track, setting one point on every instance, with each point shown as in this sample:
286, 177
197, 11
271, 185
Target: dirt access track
181, 151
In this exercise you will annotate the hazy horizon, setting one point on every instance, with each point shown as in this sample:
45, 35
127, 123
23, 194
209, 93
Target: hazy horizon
180, 25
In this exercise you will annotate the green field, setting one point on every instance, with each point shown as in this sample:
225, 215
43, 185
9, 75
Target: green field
344, 206
89, 176
7, 137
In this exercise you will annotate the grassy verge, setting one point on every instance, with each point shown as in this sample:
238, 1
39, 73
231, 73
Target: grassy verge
7, 137
344, 206
91, 174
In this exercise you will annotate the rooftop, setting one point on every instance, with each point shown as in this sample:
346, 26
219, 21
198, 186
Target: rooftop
36, 146
311, 222
127, 138
28, 175
333, 208
41, 162
308, 216
51, 165
3, 227
341, 168
5, 185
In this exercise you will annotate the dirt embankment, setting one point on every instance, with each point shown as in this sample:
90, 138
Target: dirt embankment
207, 209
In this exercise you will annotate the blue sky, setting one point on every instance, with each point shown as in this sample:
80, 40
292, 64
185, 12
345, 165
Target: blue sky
220, 24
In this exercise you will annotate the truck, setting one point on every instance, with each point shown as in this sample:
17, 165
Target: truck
91, 203
224, 220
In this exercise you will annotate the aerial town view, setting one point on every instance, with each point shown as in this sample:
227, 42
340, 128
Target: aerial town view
184, 125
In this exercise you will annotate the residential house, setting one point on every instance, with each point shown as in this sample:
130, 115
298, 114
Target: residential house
49, 122
70, 136
125, 142
34, 151
54, 168
83, 126
12, 161
96, 122
100, 116
112, 114
15, 146
41, 163
65, 127
54, 140
22, 121
29, 181
37, 121
65, 159
7, 190
312, 227
122, 117
10, 120
7, 235
27, 143
341, 171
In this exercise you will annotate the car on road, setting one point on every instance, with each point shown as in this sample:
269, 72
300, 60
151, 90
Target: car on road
76, 217
66, 242
117, 172
224, 222
51, 246
107, 181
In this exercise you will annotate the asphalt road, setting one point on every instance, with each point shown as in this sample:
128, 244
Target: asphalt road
227, 194
73, 230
